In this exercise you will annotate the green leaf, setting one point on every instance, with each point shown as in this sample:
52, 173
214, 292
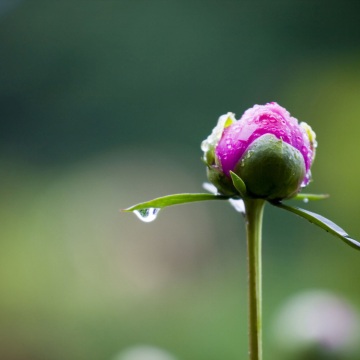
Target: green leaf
322, 222
310, 197
175, 199
239, 184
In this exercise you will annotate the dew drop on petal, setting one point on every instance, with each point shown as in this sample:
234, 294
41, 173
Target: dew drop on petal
148, 214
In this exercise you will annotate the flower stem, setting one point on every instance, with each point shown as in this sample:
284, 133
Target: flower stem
254, 214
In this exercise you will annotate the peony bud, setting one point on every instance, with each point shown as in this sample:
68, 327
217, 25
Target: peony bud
267, 148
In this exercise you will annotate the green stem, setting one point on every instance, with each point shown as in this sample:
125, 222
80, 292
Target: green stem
254, 214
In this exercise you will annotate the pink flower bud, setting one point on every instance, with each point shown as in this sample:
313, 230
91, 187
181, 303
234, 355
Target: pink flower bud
240, 146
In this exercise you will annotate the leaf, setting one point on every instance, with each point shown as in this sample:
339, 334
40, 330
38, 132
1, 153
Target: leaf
310, 197
175, 199
322, 222
239, 184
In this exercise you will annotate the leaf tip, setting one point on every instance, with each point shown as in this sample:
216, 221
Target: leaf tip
352, 242
129, 209
239, 184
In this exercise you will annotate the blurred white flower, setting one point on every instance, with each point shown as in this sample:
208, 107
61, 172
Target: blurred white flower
317, 320
144, 352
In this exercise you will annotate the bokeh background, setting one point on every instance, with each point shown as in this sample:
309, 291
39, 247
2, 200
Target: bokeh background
104, 104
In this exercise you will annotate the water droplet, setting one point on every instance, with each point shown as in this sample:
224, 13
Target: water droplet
148, 214
249, 153
306, 200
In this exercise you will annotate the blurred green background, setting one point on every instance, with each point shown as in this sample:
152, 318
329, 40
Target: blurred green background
104, 104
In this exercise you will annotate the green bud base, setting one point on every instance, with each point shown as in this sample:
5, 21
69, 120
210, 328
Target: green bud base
271, 169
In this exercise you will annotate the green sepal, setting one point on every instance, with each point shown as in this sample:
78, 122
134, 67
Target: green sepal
223, 183
175, 199
239, 184
271, 169
322, 222
310, 197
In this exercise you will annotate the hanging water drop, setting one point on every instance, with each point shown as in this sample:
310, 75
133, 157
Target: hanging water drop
147, 215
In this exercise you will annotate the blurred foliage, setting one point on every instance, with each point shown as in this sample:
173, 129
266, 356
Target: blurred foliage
104, 104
